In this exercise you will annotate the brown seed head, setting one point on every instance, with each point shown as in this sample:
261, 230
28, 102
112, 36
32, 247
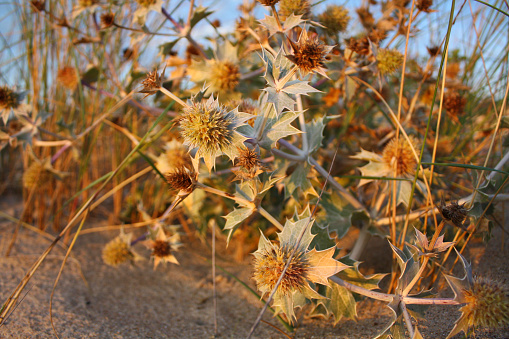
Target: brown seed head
433, 50
398, 155
487, 304
181, 179
39, 5
107, 19
454, 102
335, 18
146, 3
268, 2
152, 83
68, 77
367, 19
270, 265
8, 98
359, 45
36, 175
424, 5
248, 159
309, 55
454, 213
225, 75
161, 248
377, 35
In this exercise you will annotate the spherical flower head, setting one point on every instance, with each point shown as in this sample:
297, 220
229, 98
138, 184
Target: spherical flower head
68, 77
296, 7
389, 61
487, 304
36, 175
175, 156
209, 128
309, 54
250, 164
453, 213
118, 251
225, 75
152, 82
305, 266
398, 156
268, 2
335, 18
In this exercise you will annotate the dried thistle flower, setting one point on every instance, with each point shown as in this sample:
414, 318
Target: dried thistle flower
10, 104
486, 301
366, 18
453, 213
454, 102
305, 265
211, 129
181, 179
433, 50
118, 250
335, 18
296, 7
152, 82
359, 45
424, 5
68, 77
398, 156
377, 35
250, 164
268, 2
309, 54
163, 246
107, 19
39, 5
389, 61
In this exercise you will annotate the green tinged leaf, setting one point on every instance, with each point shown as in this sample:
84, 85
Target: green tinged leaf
354, 276
291, 233
235, 218
167, 48
199, 14
275, 127
408, 266
299, 180
314, 134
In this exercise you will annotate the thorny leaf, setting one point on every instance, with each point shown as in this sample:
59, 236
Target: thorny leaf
275, 127
408, 266
314, 134
270, 23
234, 219
199, 14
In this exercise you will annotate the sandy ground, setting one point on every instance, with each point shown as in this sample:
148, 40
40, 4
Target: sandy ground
93, 300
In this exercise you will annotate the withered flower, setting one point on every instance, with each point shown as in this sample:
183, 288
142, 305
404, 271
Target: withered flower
152, 83
453, 213
68, 77
181, 179
107, 19
454, 102
309, 54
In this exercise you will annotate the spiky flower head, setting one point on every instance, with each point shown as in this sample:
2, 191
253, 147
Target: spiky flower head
163, 246
359, 45
268, 2
486, 301
107, 19
152, 82
225, 75
181, 179
210, 128
335, 18
389, 61
296, 7
10, 104
398, 156
309, 54
454, 102
68, 77
397, 161
118, 250
250, 164
305, 266
453, 213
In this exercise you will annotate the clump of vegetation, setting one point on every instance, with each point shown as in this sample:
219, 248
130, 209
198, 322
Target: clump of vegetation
312, 121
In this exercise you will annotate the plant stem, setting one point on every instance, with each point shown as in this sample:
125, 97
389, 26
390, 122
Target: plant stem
173, 96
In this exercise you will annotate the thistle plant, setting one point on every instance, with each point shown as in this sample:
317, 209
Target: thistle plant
295, 131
